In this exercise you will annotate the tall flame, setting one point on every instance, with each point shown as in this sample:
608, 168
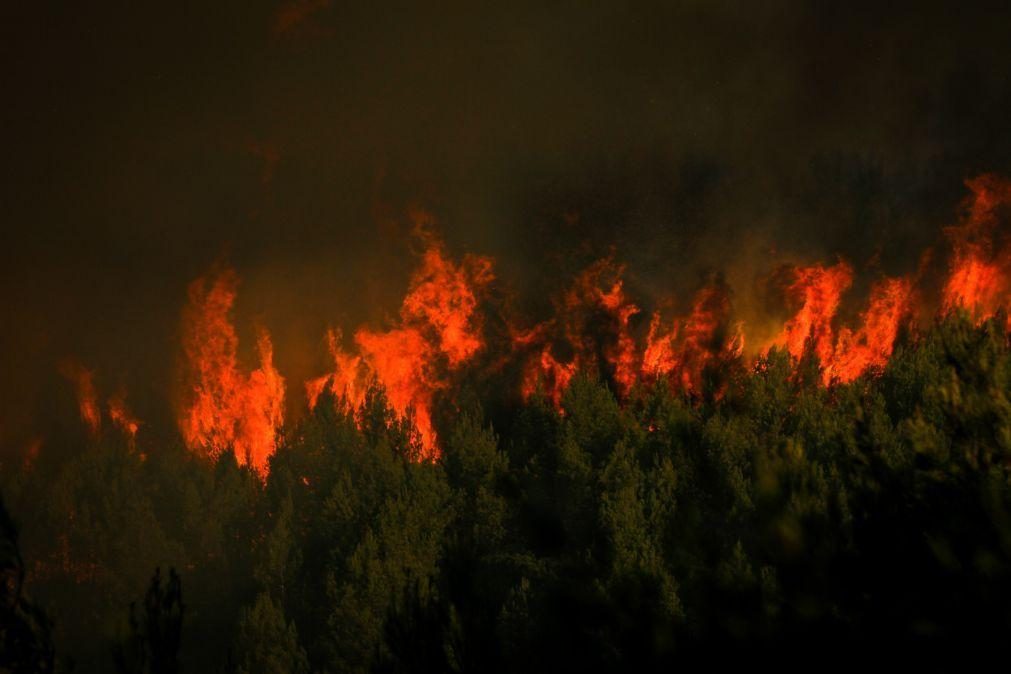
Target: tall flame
223, 407
818, 291
980, 279
439, 331
853, 351
871, 345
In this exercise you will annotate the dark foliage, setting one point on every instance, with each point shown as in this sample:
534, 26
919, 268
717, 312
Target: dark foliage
152, 646
25, 643
769, 520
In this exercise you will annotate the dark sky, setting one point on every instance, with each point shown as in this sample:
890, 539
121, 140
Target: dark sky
142, 144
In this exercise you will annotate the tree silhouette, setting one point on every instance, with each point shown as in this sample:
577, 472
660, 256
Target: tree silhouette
152, 646
25, 631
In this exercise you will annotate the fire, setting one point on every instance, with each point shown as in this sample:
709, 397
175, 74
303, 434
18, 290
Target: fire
442, 298
348, 380
439, 330
87, 396
818, 290
223, 407
593, 326
120, 416
845, 355
871, 345
542, 371
683, 351
980, 278
90, 407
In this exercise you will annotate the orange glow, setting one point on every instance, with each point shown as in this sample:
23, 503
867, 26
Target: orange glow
592, 323
542, 371
87, 397
224, 408
980, 275
818, 291
844, 356
871, 345
90, 407
683, 351
121, 417
440, 329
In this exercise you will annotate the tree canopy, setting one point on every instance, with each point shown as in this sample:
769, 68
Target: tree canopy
767, 518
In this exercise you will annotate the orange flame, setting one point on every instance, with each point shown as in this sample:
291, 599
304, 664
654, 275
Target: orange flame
845, 356
871, 345
439, 330
121, 417
818, 290
979, 277
89, 406
225, 408
543, 372
87, 396
593, 323
692, 343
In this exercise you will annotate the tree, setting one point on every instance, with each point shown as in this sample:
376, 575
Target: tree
266, 643
152, 645
25, 631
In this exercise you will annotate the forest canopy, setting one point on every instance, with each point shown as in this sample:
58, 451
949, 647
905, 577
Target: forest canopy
761, 517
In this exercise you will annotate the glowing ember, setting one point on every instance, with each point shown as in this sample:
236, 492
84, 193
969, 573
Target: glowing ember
223, 407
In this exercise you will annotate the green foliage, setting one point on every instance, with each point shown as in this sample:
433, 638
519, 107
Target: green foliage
765, 517
266, 643
152, 645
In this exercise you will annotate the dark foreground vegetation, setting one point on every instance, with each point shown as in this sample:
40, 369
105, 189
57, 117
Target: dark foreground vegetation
768, 519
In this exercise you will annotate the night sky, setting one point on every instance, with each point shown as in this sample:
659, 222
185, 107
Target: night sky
290, 139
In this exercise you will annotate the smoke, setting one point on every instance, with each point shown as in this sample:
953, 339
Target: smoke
292, 139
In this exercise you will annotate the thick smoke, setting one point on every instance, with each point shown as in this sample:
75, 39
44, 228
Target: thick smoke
683, 142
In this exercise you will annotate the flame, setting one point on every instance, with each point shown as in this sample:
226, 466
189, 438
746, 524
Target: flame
225, 408
121, 417
439, 330
818, 290
87, 396
979, 276
871, 345
853, 351
348, 380
89, 406
593, 324
543, 372
690, 344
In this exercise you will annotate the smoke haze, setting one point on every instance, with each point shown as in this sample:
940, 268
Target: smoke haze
292, 139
